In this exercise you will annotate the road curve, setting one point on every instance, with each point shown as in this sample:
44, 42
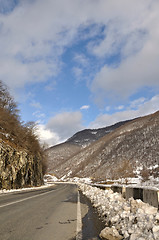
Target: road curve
46, 214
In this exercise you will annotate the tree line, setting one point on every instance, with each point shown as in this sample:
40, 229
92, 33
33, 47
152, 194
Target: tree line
14, 131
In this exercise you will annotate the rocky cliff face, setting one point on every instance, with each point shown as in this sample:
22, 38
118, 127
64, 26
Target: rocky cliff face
18, 168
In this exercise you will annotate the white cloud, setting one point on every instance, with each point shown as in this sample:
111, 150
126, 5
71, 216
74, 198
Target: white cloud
81, 59
138, 47
85, 107
51, 86
59, 128
146, 108
29, 51
120, 107
32, 51
46, 136
108, 108
65, 124
35, 34
78, 73
137, 103
35, 104
39, 114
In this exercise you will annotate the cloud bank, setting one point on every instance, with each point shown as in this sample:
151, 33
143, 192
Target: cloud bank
136, 109
35, 33
65, 124
120, 54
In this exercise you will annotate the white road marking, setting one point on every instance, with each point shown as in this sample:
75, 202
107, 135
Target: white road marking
24, 199
79, 220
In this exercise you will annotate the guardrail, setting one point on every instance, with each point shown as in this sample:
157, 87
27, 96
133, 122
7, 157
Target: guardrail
147, 195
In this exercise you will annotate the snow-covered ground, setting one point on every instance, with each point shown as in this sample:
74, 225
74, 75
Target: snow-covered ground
152, 183
131, 220
135, 182
3, 191
50, 178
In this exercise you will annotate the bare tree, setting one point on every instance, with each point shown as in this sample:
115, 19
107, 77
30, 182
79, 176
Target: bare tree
16, 132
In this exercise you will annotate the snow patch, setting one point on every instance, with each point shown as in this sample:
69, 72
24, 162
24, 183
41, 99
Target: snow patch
4, 191
94, 133
50, 178
80, 180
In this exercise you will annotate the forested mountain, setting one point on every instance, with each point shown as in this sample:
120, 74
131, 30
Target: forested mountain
12, 130
88, 136
58, 154
128, 151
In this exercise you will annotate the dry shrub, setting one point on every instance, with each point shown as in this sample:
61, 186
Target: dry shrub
155, 172
13, 131
124, 170
145, 174
44, 161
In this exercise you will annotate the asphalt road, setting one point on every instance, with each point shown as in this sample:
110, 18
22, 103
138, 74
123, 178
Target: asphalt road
48, 214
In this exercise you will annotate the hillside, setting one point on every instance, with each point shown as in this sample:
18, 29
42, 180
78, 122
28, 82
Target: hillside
22, 159
58, 154
130, 150
88, 136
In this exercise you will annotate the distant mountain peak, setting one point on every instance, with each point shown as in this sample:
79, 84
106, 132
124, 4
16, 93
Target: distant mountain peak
87, 136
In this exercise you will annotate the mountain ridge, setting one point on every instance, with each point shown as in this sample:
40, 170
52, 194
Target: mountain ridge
128, 151
60, 153
87, 136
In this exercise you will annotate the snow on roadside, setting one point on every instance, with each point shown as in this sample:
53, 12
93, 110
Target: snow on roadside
135, 181
3, 191
50, 178
80, 180
132, 219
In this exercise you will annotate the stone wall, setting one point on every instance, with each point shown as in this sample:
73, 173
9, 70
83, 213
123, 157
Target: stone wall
18, 168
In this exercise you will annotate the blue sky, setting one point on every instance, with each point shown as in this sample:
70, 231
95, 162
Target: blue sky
74, 64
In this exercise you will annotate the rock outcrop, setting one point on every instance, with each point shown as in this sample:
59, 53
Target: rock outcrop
18, 168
